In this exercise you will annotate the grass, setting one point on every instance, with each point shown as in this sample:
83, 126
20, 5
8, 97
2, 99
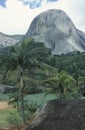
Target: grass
3, 115
40, 99
4, 97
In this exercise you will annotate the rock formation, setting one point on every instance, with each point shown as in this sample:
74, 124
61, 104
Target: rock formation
60, 115
7, 89
56, 30
9, 40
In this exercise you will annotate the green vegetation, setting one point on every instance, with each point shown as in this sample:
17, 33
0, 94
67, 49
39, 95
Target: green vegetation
63, 85
3, 117
4, 97
8, 115
31, 67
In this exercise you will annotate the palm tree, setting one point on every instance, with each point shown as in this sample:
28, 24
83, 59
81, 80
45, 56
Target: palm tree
17, 57
24, 57
62, 84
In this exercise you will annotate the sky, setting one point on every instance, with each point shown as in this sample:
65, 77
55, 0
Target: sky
17, 15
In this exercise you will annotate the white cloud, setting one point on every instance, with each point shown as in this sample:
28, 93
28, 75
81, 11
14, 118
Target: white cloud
16, 18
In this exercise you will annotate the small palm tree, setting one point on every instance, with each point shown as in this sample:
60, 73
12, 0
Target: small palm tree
62, 84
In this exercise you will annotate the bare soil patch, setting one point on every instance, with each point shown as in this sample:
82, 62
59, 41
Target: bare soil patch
4, 105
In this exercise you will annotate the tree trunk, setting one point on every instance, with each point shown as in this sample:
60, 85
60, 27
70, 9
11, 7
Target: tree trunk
22, 102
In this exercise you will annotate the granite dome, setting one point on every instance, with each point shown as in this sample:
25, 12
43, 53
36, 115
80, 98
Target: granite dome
57, 31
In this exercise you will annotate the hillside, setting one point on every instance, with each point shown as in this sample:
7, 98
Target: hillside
9, 40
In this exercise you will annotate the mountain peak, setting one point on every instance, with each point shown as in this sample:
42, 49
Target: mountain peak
57, 31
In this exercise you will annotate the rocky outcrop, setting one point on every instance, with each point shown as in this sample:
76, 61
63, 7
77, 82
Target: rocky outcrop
7, 89
60, 115
9, 40
56, 30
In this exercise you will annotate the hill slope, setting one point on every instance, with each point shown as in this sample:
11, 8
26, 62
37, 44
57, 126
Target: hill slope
9, 40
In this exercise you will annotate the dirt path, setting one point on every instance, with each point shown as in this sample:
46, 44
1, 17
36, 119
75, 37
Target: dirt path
4, 105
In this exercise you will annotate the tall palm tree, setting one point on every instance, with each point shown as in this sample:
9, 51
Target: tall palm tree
17, 57
24, 57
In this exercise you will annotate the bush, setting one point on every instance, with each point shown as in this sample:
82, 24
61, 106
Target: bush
14, 119
30, 109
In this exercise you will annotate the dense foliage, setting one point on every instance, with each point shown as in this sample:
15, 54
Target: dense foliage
31, 67
34, 63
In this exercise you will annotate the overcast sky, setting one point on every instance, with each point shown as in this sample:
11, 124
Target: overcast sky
16, 15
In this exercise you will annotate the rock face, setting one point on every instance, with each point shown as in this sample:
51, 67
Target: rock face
9, 40
56, 30
7, 89
60, 115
